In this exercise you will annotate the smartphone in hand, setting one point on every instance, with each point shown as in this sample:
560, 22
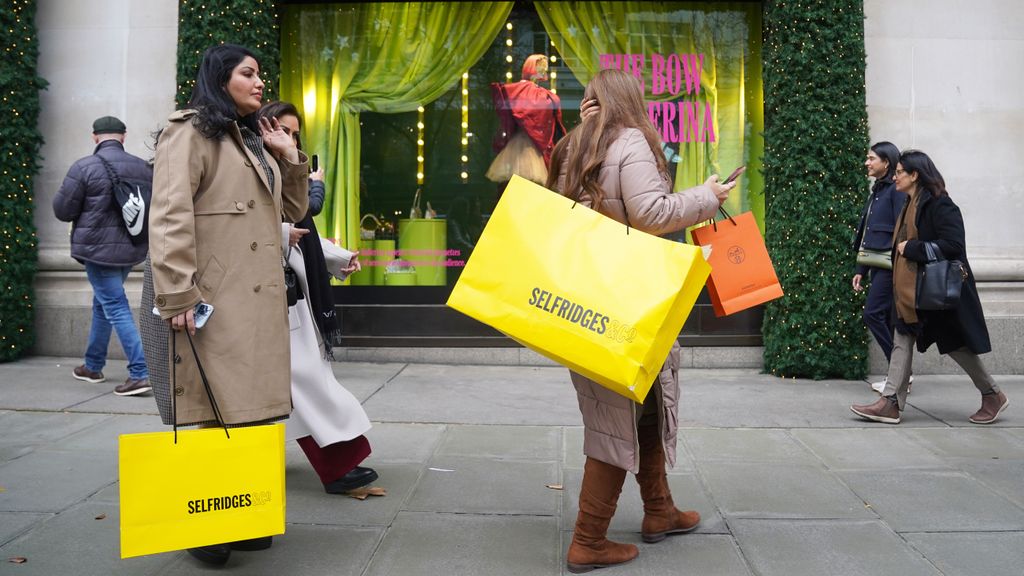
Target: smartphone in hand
735, 174
202, 313
314, 163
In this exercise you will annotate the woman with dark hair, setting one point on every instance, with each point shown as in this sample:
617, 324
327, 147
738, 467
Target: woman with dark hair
873, 240
931, 217
223, 180
612, 162
327, 421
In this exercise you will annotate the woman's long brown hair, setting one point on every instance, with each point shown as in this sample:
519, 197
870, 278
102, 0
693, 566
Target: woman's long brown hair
581, 153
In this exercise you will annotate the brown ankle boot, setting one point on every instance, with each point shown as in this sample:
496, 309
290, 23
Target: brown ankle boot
599, 494
992, 405
661, 518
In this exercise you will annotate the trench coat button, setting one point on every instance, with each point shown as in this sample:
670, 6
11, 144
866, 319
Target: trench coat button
252, 203
239, 206
179, 391
256, 288
254, 246
248, 163
160, 301
177, 358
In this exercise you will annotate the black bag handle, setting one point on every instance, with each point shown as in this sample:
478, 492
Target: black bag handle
721, 209
202, 374
931, 250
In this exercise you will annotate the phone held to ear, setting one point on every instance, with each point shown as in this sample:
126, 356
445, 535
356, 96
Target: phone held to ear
314, 163
735, 174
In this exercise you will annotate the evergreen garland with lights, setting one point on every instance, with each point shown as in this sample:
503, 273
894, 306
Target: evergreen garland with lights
816, 135
19, 163
249, 23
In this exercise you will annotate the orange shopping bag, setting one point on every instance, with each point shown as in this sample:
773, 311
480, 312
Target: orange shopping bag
742, 275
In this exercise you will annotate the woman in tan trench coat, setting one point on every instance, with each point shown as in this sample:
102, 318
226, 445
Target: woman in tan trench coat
612, 162
222, 183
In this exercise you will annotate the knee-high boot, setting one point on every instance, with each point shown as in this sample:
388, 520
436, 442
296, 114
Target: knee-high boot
599, 495
661, 517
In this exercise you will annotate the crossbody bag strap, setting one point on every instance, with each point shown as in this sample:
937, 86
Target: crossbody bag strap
111, 173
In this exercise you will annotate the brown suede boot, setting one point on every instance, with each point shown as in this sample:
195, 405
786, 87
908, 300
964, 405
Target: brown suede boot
992, 405
599, 494
661, 517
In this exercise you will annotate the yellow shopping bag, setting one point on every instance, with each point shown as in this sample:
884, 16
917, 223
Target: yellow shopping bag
602, 299
205, 489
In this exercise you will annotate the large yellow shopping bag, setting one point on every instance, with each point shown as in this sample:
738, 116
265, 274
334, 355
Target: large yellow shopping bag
602, 299
204, 489
742, 274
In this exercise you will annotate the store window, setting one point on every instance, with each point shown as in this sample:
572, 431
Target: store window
419, 112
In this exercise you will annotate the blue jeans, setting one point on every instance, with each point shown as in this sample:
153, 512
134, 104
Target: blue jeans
110, 310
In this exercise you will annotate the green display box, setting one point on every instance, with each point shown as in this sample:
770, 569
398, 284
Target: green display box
365, 276
422, 242
385, 253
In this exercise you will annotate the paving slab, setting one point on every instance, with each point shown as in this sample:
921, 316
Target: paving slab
13, 524
1002, 476
34, 428
461, 484
867, 449
779, 491
43, 383
428, 544
502, 442
738, 399
573, 456
972, 553
59, 545
104, 436
687, 492
301, 550
536, 396
935, 501
747, 445
818, 547
308, 503
111, 403
52, 480
404, 442
982, 443
364, 379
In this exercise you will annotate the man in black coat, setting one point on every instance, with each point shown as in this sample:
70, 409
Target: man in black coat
100, 241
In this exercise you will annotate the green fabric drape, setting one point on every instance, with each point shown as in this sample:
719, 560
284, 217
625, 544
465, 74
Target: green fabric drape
342, 59
729, 36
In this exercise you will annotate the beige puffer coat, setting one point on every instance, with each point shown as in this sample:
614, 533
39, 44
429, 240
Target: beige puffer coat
636, 194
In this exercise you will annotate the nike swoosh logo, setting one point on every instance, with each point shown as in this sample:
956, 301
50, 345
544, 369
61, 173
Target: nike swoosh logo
132, 209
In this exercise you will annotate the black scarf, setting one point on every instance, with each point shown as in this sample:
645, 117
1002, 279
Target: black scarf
319, 282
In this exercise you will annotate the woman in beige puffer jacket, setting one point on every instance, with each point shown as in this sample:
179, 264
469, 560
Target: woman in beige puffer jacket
612, 162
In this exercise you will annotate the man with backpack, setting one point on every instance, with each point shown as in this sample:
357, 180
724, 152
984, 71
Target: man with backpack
105, 197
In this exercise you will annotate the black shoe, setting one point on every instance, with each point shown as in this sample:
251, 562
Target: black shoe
215, 554
253, 544
356, 478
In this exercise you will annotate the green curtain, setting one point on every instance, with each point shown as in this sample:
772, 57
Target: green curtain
729, 36
339, 60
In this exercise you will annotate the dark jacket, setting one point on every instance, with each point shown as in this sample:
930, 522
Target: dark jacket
939, 221
317, 192
86, 199
878, 219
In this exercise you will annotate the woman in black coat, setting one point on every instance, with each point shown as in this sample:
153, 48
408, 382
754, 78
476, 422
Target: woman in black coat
930, 216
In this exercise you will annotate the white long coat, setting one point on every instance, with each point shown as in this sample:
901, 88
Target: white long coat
323, 408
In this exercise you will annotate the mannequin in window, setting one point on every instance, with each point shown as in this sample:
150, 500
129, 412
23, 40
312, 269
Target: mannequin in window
530, 123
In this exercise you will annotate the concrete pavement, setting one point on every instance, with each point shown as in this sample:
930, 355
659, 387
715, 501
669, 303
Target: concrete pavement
789, 482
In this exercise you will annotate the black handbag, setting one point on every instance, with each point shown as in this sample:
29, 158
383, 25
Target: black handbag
939, 281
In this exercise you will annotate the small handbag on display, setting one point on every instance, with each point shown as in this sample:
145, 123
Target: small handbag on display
939, 281
874, 258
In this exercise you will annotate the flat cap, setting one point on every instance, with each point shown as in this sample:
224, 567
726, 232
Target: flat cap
108, 125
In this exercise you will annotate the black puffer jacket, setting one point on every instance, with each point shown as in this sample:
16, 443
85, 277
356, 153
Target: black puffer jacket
98, 233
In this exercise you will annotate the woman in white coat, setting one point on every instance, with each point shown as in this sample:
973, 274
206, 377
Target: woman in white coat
327, 421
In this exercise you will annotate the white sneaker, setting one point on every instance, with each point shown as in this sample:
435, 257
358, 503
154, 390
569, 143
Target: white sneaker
880, 385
